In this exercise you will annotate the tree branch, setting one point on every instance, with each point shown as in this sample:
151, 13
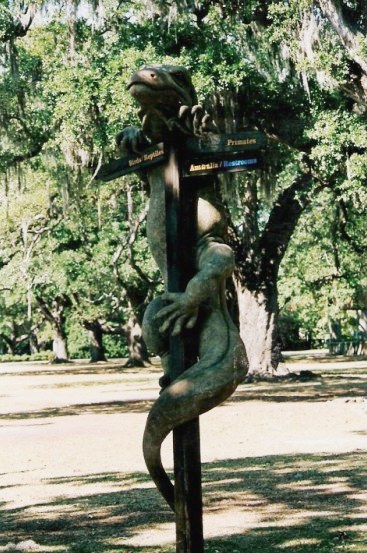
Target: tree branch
281, 224
46, 311
127, 244
33, 152
351, 40
343, 222
19, 26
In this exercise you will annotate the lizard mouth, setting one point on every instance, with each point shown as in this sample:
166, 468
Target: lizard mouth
131, 84
140, 85
154, 88
148, 94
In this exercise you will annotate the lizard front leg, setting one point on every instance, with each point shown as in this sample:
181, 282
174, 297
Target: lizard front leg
216, 263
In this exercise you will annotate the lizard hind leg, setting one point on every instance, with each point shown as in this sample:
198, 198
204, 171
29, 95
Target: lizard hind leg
156, 342
199, 389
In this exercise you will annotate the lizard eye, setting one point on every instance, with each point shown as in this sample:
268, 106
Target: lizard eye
180, 77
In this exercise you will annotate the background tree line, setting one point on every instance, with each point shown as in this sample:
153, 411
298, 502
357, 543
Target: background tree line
75, 270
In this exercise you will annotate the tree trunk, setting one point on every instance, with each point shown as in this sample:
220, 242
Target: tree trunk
12, 339
258, 317
33, 342
95, 332
258, 256
10, 344
55, 314
59, 345
138, 354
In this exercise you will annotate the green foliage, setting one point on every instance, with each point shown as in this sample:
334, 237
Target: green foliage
41, 356
6, 20
340, 138
275, 65
115, 346
323, 272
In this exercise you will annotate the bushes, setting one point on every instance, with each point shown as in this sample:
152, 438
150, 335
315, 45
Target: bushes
40, 356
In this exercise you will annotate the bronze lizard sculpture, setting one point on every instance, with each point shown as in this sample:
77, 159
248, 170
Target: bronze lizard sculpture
169, 103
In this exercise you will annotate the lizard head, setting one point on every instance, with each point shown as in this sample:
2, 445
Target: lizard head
163, 88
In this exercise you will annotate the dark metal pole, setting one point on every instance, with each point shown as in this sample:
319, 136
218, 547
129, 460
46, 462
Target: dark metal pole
188, 498
181, 222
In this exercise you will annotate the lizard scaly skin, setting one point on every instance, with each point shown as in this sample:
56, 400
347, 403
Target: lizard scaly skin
169, 104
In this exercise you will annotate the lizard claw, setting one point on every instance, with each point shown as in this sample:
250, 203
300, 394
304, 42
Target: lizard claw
194, 120
130, 141
177, 315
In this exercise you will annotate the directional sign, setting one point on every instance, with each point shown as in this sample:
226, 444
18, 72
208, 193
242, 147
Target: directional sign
222, 153
129, 164
226, 143
214, 153
199, 167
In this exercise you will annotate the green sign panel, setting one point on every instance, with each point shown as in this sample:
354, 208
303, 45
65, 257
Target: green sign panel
226, 143
129, 164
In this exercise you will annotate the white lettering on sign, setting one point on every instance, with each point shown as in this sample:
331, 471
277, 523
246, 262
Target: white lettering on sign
222, 165
204, 166
145, 157
153, 155
135, 161
240, 162
241, 142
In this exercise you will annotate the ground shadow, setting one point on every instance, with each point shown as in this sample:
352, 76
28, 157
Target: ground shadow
322, 357
105, 408
299, 504
347, 385
75, 368
328, 386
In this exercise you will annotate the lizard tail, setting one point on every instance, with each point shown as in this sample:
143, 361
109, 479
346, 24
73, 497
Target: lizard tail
199, 389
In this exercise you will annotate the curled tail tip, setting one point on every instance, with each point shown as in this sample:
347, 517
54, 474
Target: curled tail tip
152, 457
165, 415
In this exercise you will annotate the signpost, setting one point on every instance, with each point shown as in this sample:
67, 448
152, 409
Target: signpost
181, 215
183, 165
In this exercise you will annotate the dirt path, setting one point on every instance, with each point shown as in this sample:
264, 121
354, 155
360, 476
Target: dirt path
71, 434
